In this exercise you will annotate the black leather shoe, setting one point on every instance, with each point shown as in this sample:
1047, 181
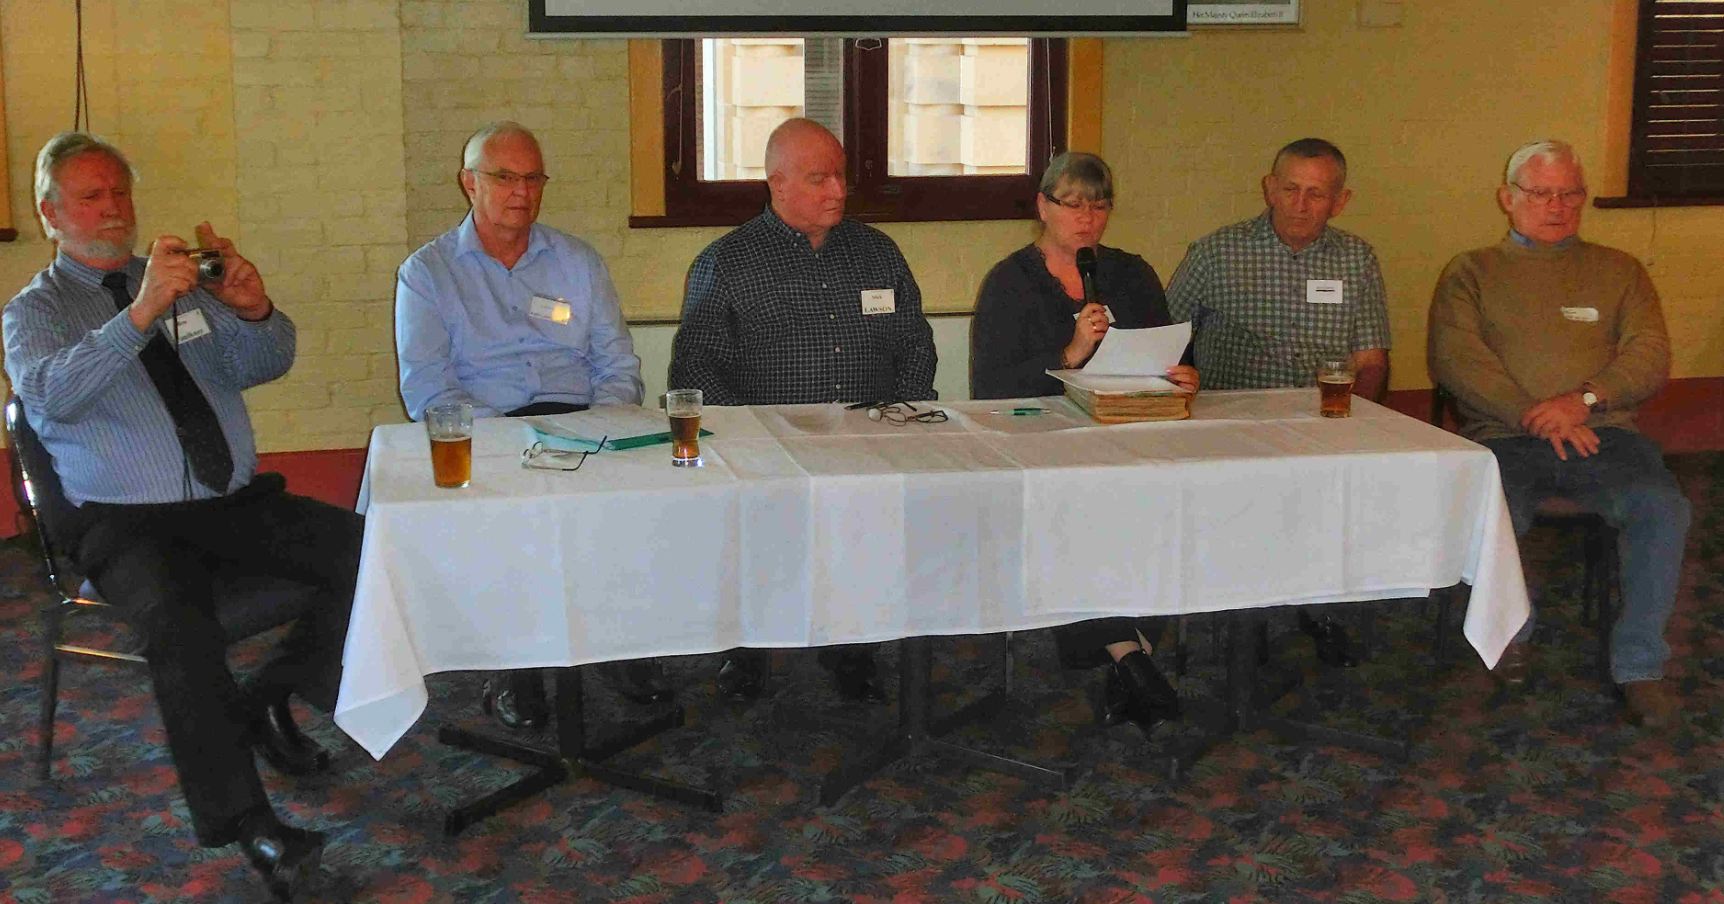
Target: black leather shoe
739, 678
277, 737
642, 681
284, 856
511, 708
1334, 649
857, 679
1136, 692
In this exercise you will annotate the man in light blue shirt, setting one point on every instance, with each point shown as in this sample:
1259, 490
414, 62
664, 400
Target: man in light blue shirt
506, 313
517, 319
130, 371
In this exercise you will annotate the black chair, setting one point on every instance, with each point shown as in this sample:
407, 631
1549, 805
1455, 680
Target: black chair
1598, 551
250, 604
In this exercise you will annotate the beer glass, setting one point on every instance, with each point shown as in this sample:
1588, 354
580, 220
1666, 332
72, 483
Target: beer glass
450, 428
683, 406
1335, 387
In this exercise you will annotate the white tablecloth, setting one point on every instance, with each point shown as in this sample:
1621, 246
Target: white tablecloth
814, 525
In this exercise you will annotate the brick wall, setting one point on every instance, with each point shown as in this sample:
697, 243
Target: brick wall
321, 192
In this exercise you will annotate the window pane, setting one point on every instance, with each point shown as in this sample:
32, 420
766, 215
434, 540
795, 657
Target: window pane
750, 85
959, 106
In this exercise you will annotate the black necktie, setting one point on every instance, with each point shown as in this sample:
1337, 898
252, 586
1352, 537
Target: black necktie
194, 420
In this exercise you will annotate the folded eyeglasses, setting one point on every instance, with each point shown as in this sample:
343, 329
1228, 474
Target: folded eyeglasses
545, 458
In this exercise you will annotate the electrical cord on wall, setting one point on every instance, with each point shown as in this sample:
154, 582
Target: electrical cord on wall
80, 81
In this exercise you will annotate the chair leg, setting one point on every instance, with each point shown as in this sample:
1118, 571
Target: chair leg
50, 701
1011, 662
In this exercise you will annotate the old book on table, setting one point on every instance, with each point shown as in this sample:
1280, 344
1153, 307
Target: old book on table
1123, 380
1119, 400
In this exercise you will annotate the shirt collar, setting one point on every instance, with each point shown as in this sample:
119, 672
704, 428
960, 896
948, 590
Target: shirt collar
790, 232
467, 240
1263, 228
87, 275
1526, 242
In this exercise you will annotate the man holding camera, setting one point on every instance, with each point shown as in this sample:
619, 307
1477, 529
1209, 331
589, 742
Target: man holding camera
130, 370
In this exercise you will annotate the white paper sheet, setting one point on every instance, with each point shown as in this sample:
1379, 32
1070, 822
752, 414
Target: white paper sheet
1137, 353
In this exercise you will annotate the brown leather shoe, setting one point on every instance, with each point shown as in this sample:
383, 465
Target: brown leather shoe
1651, 704
1514, 666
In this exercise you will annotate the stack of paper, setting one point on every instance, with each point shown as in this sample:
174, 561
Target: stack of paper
1124, 381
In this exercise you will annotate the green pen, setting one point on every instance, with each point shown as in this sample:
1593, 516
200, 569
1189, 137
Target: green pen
1020, 412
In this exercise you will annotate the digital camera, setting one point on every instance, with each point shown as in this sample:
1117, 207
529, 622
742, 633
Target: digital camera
211, 268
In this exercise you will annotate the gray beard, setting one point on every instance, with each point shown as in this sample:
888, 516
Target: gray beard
104, 249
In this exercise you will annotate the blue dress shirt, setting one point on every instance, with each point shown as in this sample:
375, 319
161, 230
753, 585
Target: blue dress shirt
466, 331
74, 361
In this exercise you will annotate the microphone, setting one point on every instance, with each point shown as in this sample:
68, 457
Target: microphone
1086, 270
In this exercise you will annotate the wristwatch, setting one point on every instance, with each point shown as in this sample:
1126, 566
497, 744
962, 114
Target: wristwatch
1588, 398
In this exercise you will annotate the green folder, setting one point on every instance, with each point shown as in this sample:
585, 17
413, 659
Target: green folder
645, 439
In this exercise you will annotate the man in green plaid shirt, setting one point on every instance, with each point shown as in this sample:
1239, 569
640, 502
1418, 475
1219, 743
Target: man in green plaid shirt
1270, 297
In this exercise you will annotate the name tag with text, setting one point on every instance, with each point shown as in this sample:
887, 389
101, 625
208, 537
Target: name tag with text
188, 326
543, 307
1580, 315
1323, 291
879, 301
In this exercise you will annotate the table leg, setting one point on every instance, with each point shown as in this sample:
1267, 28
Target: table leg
915, 735
573, 756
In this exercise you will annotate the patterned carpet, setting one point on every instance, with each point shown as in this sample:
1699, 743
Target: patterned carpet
1538, 795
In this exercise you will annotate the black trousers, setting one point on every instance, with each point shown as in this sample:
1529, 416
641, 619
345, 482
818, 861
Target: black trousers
1084, 645
155, 563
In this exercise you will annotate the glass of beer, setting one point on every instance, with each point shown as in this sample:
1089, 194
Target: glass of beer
683, 406
450, 428
1335, 387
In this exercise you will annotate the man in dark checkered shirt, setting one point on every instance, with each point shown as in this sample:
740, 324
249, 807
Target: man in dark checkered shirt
801, 305
1271, 297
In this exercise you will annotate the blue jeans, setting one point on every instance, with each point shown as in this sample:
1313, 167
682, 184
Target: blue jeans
1627, 483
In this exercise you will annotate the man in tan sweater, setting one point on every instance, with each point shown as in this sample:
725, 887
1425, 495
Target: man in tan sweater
1548, 344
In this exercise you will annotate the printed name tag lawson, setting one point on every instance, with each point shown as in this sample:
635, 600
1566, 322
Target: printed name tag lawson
879, 301
555, 310
1323, 291
188, 326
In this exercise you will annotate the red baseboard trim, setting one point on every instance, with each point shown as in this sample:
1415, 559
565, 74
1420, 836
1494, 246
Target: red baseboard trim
1687, 416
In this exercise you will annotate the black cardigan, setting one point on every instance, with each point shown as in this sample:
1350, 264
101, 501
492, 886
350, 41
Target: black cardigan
1024, 318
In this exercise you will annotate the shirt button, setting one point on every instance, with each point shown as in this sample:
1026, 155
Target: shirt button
836, 349
831, 316
822, 285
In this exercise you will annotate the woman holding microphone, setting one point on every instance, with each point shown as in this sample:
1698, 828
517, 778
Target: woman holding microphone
1034, 313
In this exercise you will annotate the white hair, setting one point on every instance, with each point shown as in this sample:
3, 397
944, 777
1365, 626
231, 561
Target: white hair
54, 154
475, 149
1549, 150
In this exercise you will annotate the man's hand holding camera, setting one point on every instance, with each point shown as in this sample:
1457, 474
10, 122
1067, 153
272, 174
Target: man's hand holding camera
173, 270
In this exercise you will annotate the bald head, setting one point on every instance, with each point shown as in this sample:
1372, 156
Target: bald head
805, 171
794, 136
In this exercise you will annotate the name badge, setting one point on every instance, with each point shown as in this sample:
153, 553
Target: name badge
879, 301
1323, 291
543, 307
188, 326
1580, 315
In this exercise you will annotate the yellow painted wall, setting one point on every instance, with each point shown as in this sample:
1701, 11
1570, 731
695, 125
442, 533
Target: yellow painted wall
325, 134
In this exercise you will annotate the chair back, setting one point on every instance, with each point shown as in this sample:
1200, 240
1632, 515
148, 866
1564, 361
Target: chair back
1443, 413
36, 486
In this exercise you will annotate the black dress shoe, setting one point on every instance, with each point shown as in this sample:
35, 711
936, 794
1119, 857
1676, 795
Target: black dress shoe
1334, 649
1136, 692
642, 681
857, 679
512, 709
278, 738
284, 856
739, 678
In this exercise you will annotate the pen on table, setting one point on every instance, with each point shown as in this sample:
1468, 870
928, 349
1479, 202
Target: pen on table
1019, 412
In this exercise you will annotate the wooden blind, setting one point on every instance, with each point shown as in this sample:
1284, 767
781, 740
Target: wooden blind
1676, 149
